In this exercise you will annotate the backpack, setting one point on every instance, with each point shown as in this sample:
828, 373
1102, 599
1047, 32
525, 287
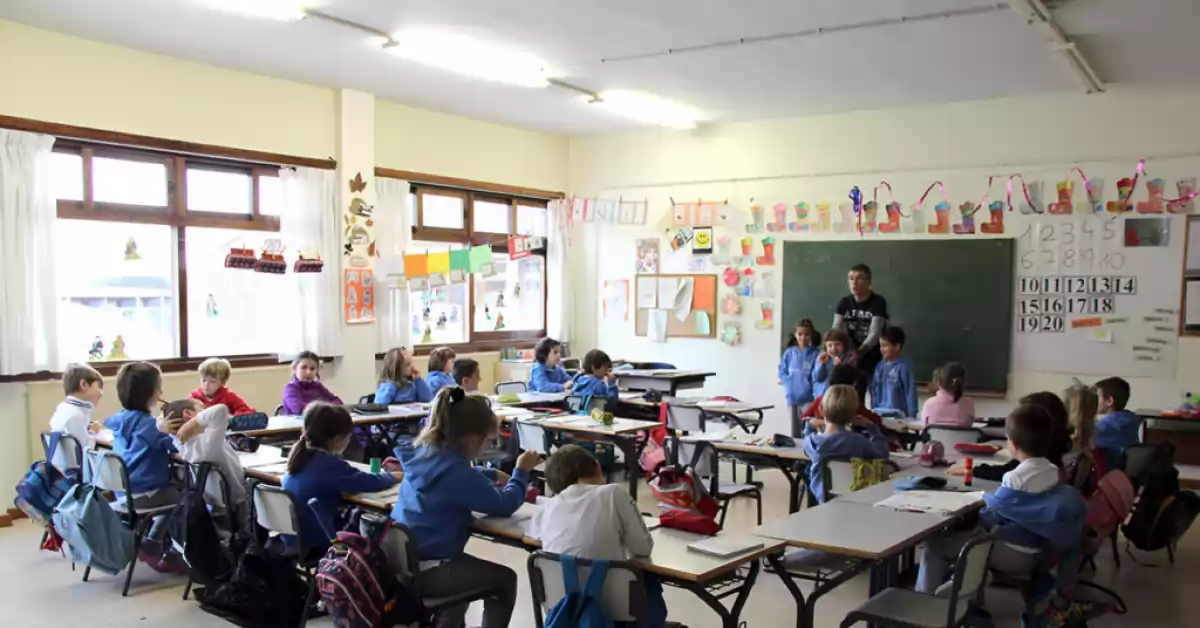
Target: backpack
264, 592
40, 491
93, 531
653, 455
867, 472
1163, 513
194, 536
1108, 506
580, 608
932, 453
678, 489
359, 589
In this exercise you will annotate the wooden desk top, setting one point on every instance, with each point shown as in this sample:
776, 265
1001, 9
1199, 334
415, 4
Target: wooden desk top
585, 424
530, 399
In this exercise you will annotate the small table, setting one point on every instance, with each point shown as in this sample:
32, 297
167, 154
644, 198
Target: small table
623, 434
531, 399
668, 381
784, 459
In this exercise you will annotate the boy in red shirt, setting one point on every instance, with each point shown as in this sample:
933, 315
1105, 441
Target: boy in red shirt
214, 372
842, 374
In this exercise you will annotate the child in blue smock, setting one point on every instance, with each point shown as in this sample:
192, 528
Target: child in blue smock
547, 374
893, 387
796, 368
597, 379
400, 381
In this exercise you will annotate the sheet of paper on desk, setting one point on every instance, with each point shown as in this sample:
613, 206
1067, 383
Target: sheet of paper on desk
707, 436
652, 522
723, 546
937, 502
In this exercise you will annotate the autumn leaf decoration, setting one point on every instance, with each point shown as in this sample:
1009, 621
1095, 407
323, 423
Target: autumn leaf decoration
357, 184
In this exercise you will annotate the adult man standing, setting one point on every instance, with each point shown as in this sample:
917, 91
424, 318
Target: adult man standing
862, 315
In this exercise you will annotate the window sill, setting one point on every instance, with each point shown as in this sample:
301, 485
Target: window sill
170, 365
479, 346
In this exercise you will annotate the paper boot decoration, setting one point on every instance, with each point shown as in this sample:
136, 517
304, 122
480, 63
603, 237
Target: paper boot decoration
893, 218
801, 223
747, 258
849, 222
1186, 188
1064, 205
870, 214
768, 316
941, 213
1154, 204
758, 220
1034, 204
768, 256
731, 333
1095, 194
968, 218
720, 255
1124, 192
779, 212
995, 224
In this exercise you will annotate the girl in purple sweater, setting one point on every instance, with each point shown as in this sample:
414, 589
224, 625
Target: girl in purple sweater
306, 386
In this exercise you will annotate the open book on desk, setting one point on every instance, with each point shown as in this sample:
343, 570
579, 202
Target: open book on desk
935, 502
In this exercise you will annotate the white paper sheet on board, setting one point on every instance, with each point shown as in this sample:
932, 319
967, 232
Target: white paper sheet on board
647, 293
703, 324
683, 300
666, 291
657, 325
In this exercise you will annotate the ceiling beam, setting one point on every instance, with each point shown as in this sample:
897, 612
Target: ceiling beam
1038, 17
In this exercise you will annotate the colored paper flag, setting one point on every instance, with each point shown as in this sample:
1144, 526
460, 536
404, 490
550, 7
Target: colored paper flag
439, 262
460, 259
480, 257
416, 265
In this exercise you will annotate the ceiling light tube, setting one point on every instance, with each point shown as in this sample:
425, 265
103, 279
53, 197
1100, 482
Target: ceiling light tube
468, 56
647, 108
282, 10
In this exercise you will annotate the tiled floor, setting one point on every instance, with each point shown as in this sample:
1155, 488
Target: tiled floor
39, 588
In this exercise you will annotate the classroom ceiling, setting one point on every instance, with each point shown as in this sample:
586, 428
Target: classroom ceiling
982, 49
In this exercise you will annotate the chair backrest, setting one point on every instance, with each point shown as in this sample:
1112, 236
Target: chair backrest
275, 510
1141, 460
683, 417
367, 398
278, 410
400, 549
575, 403
216, 485
106, 470
839, 476
68, 454
1081, 469
513, 386
699, 456
532, 436
951, 435
624, 596
571, 364
970, 577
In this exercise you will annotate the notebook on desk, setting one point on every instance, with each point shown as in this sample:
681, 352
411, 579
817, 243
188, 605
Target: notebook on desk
936, 502
724, 546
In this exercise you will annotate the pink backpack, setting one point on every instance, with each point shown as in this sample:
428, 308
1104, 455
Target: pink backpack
1108, 507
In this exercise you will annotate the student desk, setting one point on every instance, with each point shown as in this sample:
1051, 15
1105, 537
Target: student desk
729, 411
915, 425
623, 433
790, 460
1165, 426
667, 381
284, 424
530, 399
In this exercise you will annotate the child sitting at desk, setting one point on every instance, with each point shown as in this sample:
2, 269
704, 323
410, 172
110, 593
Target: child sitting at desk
73, 417
306, 386
441, 365
314, 469
948, 406
202, 439
598, 379
1082, 403
1060, 444
214, 375
839, 404
143, 442
1119, 429
834, 355
589, 518
842, 374
400, 381
893, 387
796, 370
547, 375
440, 492
1032, 510
466, 374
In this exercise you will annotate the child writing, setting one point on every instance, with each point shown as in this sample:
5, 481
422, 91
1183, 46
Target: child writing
796, 369
214, 375
142, 442
314, 469
839, 404
589, 518
597, 379
202, 439
441, 365
547, 375
400, 381
1030, 512
440, 492
836, 342
893, 387
1119, 429
466, 374
948, 406
305, 386
73, 417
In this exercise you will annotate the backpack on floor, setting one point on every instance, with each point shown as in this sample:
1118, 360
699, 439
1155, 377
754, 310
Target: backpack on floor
264, 592
193, 535
359, 589
93, 531
580, 608
1108, 507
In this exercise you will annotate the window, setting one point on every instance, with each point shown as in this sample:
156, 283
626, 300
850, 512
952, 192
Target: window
485, 312
143, 238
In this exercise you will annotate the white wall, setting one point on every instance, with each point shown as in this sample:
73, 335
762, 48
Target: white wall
820, 158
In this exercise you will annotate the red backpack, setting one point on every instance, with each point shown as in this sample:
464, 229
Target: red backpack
359, 589
1108, 507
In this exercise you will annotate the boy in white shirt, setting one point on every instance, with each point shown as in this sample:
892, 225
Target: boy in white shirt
588, 518
202, 439
73, 417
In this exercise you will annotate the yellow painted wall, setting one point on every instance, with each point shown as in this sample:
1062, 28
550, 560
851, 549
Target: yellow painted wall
413, 139
57, 78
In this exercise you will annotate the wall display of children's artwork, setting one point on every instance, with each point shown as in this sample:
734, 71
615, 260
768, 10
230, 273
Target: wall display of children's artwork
702, 241
518, 247
358, 227
118, 349
801, 221
632, 212
747, 256
680, 299
757, 218
1185, 203
697, 214
731, 305
731, 333
847, 222
778, 218
606, 211
358, 286
1147, 231
768, 256
616, 300
721, 255
768, 316
647, 256
697, 263
766, 285
681, 239
481, 261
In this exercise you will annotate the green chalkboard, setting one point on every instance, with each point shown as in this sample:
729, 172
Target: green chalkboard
953, 297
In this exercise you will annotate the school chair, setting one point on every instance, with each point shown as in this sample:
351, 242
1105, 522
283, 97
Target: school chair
1139, 460
571, 365
684, 418
278, 410
276, 511
575, 403
72, 450
951, 435
217, 497
839, 477
370, 398
106, 471
512, 386
905, 608
703, 460
402, 558
623, 596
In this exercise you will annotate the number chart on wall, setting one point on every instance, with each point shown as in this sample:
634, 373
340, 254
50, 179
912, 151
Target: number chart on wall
1091, 300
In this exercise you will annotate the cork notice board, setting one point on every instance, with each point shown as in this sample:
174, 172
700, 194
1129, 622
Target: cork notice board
704, 299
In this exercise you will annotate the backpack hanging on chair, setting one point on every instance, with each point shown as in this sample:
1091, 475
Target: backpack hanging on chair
1108, 506
359, 589
580, 608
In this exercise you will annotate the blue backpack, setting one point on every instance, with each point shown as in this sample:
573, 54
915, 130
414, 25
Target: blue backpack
580, 608
43, 487
93, 531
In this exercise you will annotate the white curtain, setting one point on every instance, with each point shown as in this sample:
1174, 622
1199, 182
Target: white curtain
392, 235
28, 300
312, 310
558, 302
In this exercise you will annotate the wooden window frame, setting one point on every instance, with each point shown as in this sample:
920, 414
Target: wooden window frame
478, 341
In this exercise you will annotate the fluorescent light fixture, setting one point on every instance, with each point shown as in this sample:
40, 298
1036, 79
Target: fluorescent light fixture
648, 108
283, 10
469, 56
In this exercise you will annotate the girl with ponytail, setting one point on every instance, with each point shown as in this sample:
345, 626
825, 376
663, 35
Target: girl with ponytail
315, 469
441, 490
948, 406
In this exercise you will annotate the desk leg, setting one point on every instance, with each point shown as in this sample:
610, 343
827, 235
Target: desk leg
632, 451
729, 617
795, 481
805, 611
797, 594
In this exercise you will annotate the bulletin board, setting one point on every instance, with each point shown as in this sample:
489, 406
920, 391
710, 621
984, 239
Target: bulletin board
703, 304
